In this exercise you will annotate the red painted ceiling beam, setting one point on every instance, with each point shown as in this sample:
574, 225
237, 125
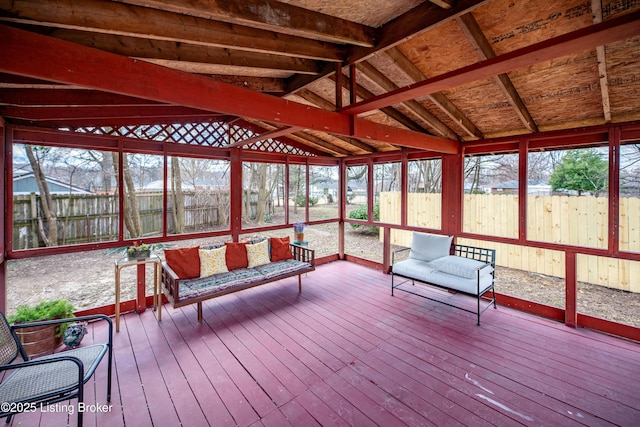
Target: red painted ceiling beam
100, 112
66, 97
33, 55
607, 32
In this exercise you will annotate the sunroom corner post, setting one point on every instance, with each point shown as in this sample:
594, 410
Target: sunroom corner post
235, 199
571, 291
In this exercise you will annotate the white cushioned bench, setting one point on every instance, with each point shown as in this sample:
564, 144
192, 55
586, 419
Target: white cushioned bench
435, 260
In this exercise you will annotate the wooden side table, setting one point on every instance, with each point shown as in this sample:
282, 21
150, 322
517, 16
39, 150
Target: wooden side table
157, 274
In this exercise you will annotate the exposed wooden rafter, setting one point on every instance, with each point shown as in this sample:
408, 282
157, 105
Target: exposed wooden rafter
475, 35
271, 15
616, 29
320, 102
440, 100
414, 106
398, 116
411, 24
200, 58
38, 56
129, 20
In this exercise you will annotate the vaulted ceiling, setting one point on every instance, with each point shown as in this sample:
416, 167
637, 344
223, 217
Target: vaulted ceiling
340, 78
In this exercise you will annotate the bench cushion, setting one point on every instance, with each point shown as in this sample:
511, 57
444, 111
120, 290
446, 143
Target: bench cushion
427, 247
217, 283
287, 266
425, 272
461, 266
413, 268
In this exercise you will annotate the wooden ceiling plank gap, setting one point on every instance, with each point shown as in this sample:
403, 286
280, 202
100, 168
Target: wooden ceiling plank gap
271, 15
596, 10
445, 4
439, 99
611, 31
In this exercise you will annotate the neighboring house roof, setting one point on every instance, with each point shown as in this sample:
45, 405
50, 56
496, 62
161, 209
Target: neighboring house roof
26, 184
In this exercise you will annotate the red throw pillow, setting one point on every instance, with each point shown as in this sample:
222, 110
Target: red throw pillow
185, 262
280, 249
236, 255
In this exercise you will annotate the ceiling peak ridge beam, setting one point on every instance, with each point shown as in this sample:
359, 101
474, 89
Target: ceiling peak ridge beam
271, 15
33, 55
438, 99
482, 46
611, 31
129, 20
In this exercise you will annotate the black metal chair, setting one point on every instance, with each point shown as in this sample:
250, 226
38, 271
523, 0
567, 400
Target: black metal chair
48, 379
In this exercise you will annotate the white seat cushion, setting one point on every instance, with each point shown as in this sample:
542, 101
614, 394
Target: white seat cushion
413, 268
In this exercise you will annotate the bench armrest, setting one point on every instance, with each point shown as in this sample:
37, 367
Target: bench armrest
397, 251
304, 254
170, 281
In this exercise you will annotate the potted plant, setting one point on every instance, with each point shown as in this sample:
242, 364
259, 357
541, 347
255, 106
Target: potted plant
139, 250
298, 229
40, 340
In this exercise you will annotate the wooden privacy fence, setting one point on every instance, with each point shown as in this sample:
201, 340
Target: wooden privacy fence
571, 220
84, 218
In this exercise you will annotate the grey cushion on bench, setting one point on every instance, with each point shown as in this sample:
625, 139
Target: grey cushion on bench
223, 282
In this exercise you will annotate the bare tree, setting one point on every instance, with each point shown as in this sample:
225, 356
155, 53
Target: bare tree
48, 234
131, 214
177, 206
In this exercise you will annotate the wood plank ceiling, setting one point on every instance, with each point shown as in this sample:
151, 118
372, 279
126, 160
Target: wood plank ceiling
393, 73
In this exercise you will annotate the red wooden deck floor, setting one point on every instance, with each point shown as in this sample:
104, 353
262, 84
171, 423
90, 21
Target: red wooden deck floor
344, 352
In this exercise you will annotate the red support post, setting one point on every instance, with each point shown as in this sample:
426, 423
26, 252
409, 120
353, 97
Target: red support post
571, 291
614, 190
452, 194
141, 304
523, 162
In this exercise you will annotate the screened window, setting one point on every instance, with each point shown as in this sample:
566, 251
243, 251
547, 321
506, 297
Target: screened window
63, 196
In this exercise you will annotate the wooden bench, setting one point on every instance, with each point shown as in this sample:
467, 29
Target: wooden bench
182, 292
436, 261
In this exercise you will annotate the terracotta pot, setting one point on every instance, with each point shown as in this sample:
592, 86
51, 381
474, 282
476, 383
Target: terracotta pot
39, 340
299, 236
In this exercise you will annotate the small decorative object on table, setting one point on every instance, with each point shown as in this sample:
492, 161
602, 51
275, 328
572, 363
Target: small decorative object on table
298, 229
74, 334
139, 250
